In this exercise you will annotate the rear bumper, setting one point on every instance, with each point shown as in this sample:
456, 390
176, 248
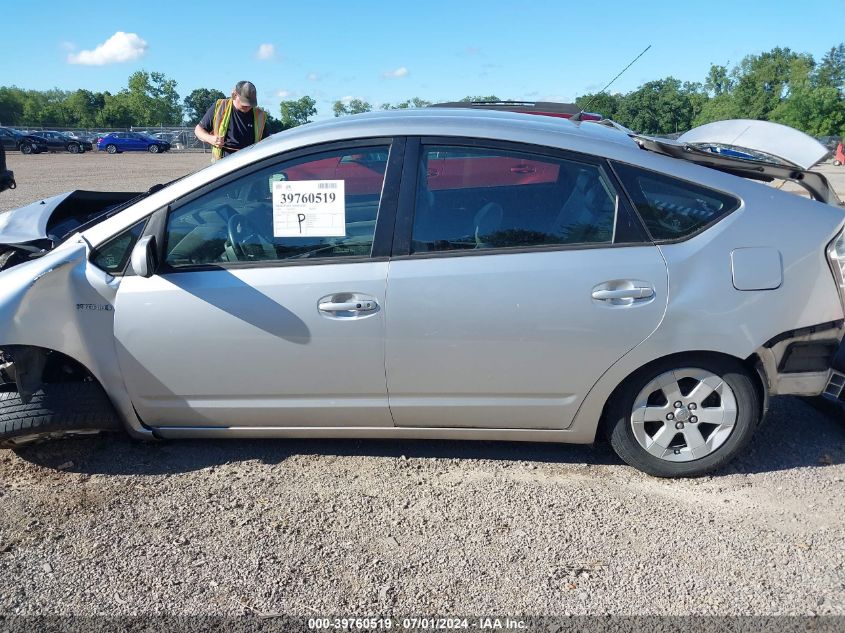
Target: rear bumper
835, 387
804, 362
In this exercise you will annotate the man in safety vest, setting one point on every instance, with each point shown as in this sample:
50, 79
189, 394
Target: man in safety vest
234, 123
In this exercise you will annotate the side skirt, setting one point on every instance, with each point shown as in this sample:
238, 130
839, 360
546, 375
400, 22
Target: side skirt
570, 436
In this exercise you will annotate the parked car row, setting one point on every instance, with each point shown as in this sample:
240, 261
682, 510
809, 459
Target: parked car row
37, 142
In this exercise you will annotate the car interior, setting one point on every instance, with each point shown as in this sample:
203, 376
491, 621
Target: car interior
235, 223
577, 207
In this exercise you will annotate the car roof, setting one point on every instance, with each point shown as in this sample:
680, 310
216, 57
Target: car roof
488, 124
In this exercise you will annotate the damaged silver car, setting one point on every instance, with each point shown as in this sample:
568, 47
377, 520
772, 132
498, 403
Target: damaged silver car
437, 273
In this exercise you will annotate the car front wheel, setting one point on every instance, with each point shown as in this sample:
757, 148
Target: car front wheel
26, 148
684, 418
111, 148
55, 410
154, 149
74, 148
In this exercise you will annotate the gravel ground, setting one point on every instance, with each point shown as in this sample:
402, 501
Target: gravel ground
43, 175
108, 526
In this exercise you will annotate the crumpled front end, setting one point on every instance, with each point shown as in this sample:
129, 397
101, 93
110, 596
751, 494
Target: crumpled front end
57, 322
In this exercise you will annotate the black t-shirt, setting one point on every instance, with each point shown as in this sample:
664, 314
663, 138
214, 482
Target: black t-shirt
241, 132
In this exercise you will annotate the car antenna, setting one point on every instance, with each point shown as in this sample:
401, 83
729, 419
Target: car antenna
577, 117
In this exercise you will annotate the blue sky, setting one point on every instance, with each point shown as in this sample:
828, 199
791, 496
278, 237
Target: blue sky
389, 52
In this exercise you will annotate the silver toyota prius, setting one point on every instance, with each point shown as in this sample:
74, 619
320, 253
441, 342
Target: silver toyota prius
437, 273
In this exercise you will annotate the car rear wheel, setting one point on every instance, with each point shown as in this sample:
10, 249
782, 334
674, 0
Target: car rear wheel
55, 410
74, 148
111, 148
26, 148
154, 149
684, 418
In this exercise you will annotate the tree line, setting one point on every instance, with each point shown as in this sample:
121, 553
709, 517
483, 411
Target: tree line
780, 85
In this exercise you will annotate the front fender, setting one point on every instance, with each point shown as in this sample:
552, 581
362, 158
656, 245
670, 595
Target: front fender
62, 303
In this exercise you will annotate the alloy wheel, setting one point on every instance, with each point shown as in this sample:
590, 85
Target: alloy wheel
684, 415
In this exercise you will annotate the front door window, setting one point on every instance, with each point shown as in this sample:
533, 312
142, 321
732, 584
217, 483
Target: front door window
320, 206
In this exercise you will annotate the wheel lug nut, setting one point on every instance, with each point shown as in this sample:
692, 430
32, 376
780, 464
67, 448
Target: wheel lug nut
679, 404
679, 425
692, 406
670, 416
693, 420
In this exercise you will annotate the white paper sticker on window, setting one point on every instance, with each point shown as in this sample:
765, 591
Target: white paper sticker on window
309, 208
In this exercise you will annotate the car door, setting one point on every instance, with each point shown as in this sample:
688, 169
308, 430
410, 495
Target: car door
265, 313
8, 139
509, 299
118, 139
134, 142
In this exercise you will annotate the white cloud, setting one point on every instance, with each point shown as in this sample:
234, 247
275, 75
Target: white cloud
284, 94
313, 77
347, 99
265, 51
120, 47
396, 74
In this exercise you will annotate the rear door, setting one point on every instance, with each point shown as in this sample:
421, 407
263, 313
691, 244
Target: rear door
508, 298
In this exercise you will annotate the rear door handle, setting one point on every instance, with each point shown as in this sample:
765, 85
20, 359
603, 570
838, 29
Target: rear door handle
347, 306
639, 292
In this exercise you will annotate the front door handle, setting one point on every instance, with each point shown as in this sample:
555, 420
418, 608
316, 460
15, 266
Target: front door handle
348, 306
638, 292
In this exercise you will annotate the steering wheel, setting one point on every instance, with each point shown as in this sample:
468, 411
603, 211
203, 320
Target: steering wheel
245, 238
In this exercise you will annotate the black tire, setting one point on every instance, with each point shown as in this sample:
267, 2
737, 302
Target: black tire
111, 148
55, 410
26, 148
620, 431
74, 148
154, 149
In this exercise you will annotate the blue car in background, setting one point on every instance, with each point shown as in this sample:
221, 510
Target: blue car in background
131, 142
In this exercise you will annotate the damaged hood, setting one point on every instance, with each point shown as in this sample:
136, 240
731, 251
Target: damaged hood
758, 150
55, 218
29, 223
773, 140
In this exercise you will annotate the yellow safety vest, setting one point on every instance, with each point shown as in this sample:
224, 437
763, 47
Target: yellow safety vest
222, 118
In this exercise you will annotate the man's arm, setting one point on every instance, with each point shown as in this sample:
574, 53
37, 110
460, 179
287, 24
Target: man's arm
203, 130
208, 137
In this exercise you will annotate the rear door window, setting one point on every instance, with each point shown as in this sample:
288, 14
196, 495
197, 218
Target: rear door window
670, 208
471, 198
